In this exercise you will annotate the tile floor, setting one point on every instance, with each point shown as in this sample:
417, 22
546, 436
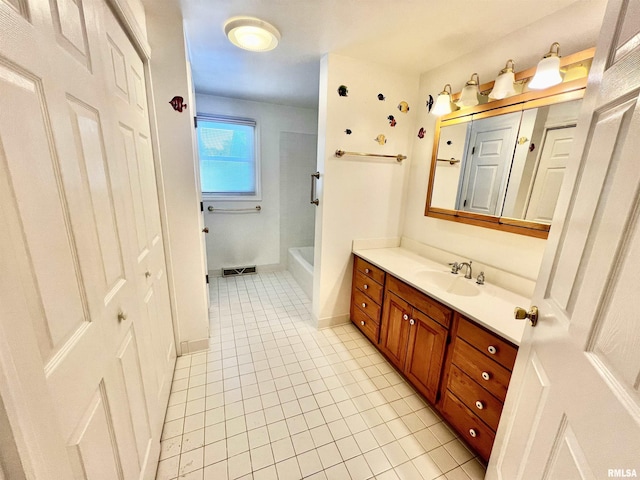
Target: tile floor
275, 398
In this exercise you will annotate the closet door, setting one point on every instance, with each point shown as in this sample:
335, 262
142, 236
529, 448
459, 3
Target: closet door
131, 149
96, 331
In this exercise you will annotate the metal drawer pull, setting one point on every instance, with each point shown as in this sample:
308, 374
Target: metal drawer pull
412, 322
147, 274
479, 405
364, 305
366, 270
473, 433
492, 350
362, 323
122, 316
366, 286
405, 317
486, 376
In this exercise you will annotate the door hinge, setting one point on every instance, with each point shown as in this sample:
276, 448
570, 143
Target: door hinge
195, 122
202, 206
473, 150
207, 278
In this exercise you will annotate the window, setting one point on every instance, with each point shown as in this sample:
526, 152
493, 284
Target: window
229, 166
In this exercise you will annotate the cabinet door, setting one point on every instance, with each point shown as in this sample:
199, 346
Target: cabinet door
395, 329
425, 354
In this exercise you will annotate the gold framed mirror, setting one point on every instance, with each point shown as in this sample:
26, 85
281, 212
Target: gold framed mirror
500, 164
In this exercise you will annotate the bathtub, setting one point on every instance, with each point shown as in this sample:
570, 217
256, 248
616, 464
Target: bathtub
301, 267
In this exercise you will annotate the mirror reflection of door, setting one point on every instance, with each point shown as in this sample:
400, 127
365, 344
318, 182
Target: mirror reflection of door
514, 173
487, 164
548, 179
537, 171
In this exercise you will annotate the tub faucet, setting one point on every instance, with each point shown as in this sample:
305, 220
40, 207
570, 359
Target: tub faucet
468, 265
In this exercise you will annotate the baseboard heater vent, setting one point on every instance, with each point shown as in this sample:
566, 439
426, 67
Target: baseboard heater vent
235, 271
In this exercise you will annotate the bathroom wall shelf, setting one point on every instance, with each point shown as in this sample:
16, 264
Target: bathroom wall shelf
340, 153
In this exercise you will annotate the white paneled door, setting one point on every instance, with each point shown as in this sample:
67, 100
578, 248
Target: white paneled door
573, 408
87, 343
487, 163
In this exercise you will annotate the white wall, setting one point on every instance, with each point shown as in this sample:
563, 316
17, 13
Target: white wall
179, 195
575, 28
255, 238
359, 197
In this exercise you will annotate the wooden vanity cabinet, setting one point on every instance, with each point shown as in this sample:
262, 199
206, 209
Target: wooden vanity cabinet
366, 298
460, 367
414, 341
475, 381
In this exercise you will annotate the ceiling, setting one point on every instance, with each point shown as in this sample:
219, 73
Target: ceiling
408, 35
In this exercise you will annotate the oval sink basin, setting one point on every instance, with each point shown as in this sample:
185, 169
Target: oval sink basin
450, 283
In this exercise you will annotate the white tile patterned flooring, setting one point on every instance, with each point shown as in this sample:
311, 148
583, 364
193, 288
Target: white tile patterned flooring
275, 398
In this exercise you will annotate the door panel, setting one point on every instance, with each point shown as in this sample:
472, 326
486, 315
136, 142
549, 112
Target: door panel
548, 180
425, 354
79, 202
21, 93
88, 136
132, 376
395, 329
582, 420
91, 446
488, 163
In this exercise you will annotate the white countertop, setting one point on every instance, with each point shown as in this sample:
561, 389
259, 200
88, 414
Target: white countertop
487, 304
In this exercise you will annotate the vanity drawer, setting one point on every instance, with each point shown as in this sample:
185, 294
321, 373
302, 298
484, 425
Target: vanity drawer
471, 428
420, 301
371, 289
489, 374
492, 346
369, 270
475, 397
370, 328
366, 304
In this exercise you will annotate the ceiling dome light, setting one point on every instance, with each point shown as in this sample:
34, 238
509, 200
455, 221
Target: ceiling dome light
548, 71
252, 34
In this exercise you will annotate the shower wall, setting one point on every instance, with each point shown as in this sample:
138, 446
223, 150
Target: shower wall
237, 239
297, 214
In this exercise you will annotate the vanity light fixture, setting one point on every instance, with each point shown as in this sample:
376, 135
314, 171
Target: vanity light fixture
548, 71
469, 94
443, 102
503, 86
250, 33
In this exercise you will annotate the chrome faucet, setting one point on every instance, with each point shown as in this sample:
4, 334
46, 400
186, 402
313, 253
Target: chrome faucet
468, 274
456, 267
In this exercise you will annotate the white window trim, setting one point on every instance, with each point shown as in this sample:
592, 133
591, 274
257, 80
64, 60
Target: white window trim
209, 196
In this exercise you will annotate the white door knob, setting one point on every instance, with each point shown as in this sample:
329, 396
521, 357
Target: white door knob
486, 375
479, 405
492, 350
473, 433
362, 323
